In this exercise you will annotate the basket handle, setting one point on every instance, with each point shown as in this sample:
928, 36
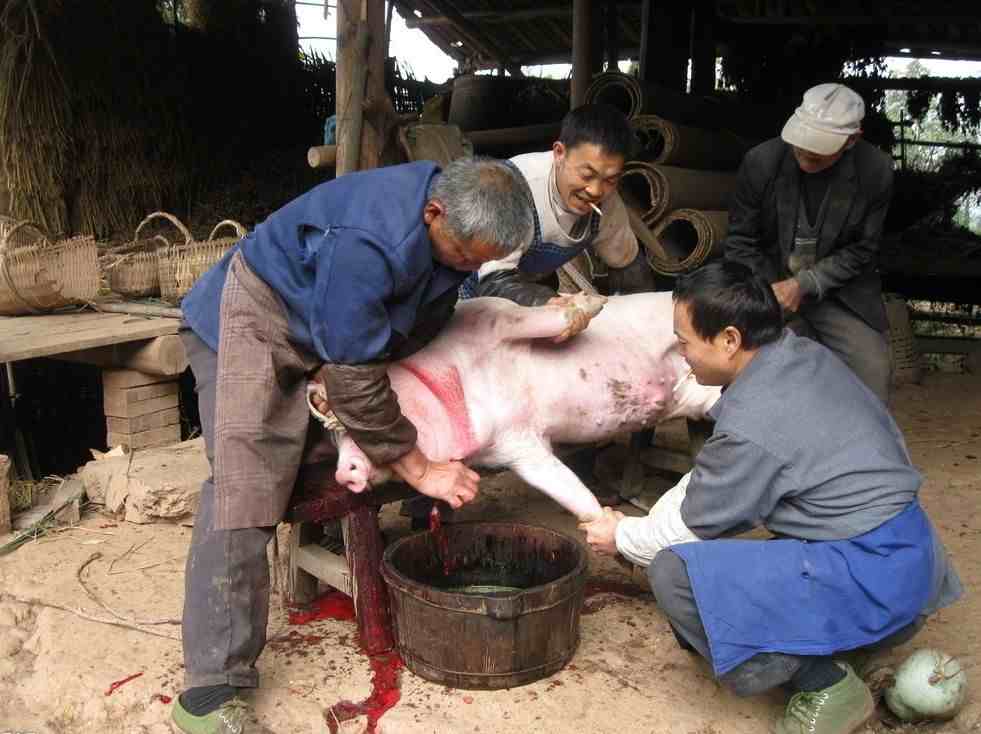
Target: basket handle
239, 229
6, 239
170, 218
32, 307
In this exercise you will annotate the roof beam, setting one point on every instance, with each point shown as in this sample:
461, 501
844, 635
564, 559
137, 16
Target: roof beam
472, 35
848, 19
504, 16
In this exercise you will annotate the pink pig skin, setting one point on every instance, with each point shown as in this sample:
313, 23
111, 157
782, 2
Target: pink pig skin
493, 390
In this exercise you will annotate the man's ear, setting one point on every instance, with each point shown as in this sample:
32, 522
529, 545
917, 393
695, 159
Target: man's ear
432, 209
852, 139
732, 340
558, 151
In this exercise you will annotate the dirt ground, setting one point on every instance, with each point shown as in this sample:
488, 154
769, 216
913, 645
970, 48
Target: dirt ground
628, 675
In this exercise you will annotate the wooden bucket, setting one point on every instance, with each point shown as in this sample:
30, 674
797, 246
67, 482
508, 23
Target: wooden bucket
453, 628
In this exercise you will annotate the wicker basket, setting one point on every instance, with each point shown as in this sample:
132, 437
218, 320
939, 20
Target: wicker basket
37, 275
182, 265
135, 271
906, 364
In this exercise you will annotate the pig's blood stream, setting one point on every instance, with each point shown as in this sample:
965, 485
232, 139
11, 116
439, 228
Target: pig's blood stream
385, 667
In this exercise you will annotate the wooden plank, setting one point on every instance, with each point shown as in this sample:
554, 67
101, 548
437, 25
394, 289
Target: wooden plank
27, 337
330, 568
145, 439
113, 379
4, 494
162, 355
121, 409
947, 345
138, 423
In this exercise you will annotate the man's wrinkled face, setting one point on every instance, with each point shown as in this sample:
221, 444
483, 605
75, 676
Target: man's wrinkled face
585, 174
450, 250
711, 360
813, 162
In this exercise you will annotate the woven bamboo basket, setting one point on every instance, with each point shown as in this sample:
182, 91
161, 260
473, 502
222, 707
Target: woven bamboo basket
182, 265
38, 275
135, 272
907, 367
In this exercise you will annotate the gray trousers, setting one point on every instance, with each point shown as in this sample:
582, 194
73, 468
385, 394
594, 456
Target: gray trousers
669, 581
226, 581
862, 348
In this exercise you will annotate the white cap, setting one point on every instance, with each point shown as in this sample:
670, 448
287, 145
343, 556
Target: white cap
825, 119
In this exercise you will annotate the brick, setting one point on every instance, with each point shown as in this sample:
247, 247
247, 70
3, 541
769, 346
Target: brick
113, 379
146, 439
138, 423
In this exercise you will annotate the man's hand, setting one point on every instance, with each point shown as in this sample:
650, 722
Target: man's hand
579, 318
450, 481
601, 532
788, 294
318, 396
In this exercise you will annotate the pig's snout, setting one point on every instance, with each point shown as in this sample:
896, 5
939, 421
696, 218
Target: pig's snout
353, 472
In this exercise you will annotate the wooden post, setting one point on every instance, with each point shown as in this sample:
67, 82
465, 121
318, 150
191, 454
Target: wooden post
703, 47
664, 43
4, 494
364, 546
612, 36
360, 84
581, 62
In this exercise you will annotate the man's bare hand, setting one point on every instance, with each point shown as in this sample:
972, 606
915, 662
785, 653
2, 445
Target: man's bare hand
601, 532
578, 320
451, 481
318, 396
788, 294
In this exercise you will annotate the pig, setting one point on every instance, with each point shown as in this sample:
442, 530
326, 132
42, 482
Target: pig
495, 390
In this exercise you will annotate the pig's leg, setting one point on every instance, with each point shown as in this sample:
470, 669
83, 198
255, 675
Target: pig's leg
521, 322
537, 465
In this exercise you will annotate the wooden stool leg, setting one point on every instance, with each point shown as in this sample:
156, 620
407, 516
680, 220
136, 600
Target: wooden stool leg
364, 546
301, 586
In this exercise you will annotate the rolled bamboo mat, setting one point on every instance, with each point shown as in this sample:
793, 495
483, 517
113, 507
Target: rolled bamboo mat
655, 190
688, 238
633, 98
718, 111
664, 142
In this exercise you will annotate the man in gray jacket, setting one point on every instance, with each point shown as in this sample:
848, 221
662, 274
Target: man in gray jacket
803, 449
807, 215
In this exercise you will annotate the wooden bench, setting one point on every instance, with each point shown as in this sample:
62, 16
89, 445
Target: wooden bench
318, 499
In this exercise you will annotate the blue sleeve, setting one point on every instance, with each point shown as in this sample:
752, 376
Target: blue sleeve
349, 323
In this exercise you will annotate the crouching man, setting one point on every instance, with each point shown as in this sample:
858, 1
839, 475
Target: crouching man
802, 447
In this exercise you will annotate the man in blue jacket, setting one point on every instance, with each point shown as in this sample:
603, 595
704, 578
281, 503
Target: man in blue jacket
803, 448
355, 273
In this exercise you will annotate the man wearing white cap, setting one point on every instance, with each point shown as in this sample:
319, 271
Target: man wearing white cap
807, 215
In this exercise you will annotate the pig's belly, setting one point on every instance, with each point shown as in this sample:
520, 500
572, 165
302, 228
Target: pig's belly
600, 388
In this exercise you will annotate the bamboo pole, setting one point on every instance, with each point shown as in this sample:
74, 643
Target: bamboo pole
322, 156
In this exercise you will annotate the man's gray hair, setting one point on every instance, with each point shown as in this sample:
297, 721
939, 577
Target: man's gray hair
487, 200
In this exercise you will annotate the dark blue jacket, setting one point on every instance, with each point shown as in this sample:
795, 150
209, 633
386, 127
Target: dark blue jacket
352, 261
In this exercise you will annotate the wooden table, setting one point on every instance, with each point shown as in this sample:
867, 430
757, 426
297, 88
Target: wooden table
141, 357
27, 337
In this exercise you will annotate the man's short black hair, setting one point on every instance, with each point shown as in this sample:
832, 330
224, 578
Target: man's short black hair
725, 293
599, 124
